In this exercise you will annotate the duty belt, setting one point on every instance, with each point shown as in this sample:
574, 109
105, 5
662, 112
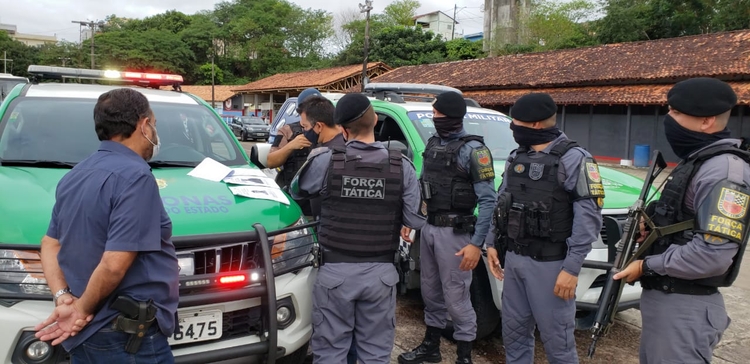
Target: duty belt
542, 252
332, 256
450, 220
669, 284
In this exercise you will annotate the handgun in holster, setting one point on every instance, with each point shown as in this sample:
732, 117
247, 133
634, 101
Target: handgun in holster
135, 318
317, 253
404, 265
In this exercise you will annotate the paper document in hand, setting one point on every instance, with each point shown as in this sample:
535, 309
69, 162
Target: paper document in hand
263, 193
251, 181
211, 170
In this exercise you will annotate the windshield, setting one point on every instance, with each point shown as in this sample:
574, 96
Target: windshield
495, 129
7, 84
62, 130
253, 121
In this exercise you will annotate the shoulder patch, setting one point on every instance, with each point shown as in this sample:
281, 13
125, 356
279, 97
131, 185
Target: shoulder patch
723, 213
481, 167
589, 184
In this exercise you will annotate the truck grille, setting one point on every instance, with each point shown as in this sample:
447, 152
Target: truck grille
226, 259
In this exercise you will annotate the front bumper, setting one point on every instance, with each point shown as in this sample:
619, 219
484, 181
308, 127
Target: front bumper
23, 316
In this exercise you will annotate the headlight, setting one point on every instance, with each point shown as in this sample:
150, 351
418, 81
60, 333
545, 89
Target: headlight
292, 250
21, 273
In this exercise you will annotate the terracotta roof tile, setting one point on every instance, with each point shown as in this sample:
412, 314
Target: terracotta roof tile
596, 95
725, 55
297, 81
221, 92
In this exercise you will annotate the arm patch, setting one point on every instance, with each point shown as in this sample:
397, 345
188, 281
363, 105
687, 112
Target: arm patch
481, 166
589, 184
724, 213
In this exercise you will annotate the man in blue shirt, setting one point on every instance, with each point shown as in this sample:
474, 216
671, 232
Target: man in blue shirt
110, 237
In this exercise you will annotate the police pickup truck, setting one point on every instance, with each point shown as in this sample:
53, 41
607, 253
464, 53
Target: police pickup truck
245, 274
405, 122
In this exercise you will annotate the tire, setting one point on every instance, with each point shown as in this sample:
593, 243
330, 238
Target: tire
244, 136
297, 357
488, 316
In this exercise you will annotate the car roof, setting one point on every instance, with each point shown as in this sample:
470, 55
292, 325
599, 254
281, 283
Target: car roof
83, 91
426, 106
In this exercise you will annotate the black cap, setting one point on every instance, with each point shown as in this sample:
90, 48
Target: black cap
350, 107
451, 104
533, 107
307, 93
702, 96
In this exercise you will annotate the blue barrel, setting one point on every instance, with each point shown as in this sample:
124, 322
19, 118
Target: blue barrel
641, 155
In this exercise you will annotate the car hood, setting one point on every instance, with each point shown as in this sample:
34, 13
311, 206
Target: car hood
620, 189
196, 206
257, 127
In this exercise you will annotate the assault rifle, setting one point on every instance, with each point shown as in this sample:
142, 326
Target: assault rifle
626, 254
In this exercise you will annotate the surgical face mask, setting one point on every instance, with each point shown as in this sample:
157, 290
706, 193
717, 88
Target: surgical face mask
155, 146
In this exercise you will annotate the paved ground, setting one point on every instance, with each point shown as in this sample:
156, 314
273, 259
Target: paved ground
619, 346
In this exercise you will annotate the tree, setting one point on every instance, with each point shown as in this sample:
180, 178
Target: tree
151, 50
21, 54
625, 21
401, 12
205, 72
553, 25
460, 49
311, 28
354, 51
400, 46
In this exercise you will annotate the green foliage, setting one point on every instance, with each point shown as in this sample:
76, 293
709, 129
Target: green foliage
460, 49
205, 72
21, 55
553, 25
401, 12
401, 46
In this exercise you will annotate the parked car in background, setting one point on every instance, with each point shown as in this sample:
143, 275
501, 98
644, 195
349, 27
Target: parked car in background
7, 82
250, 128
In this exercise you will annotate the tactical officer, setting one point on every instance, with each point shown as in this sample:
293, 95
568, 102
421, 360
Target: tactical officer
355, 289
458, 174
548, 215
290, 148
707, 193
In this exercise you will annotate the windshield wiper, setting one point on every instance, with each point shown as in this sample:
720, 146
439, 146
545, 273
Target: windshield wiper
166, 164
37, 163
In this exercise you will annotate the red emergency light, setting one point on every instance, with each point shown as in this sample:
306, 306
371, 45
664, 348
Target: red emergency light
233, 279
140, 78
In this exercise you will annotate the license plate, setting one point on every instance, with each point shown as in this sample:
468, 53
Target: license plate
197, 326
259, 134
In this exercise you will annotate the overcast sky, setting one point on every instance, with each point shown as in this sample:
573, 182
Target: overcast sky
53, 17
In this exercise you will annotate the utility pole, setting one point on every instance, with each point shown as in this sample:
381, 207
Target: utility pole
365, 9
92, 25
453, 28
5, 61
63, 59
213, 98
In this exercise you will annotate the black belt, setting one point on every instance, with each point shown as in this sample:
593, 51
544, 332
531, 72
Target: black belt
540, 251
669, 284
449, 220
332, 256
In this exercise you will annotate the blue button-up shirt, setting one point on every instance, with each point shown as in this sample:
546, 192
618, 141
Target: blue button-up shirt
110, 202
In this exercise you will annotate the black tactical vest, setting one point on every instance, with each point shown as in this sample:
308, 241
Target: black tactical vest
295, 161
541, 215
670, 209
451, 187
361, 213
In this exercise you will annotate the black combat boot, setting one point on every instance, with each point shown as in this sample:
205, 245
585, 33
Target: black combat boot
463, 351
427, 352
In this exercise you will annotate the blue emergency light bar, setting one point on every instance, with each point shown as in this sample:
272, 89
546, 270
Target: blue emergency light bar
140, 78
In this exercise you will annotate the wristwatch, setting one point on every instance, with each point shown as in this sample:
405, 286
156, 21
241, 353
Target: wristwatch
61, 292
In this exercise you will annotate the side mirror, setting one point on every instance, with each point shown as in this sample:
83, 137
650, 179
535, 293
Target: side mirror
259, 154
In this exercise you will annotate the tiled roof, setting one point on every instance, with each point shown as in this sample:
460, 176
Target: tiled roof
725, 55
297, 81
221, 93
596, 95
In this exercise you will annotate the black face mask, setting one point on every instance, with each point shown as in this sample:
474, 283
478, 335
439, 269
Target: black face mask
312, 136
446, 125
685, 141
527, 136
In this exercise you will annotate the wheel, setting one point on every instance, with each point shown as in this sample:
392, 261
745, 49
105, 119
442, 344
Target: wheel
297, 357
244, 136
488, 316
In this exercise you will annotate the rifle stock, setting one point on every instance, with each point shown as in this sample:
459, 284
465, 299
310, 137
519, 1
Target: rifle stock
626, 247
